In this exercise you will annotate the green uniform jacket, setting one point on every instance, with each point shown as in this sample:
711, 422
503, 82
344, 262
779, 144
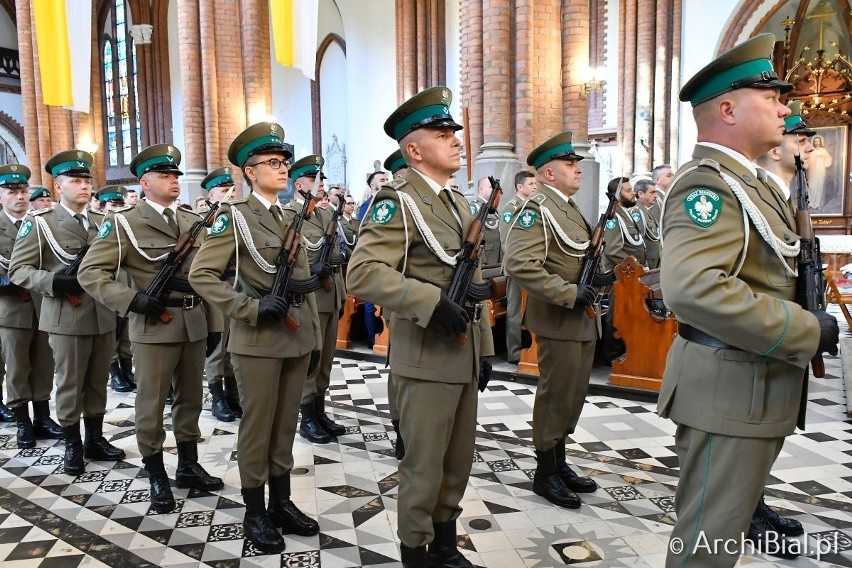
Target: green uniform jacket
548, 273
617, 247
33, 265
113, 249
650, 226
14, 312
392, 266
313, 231
241, 303
492, 251
756, 390
350, 233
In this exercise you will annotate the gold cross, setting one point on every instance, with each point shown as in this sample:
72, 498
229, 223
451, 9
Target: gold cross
821, 16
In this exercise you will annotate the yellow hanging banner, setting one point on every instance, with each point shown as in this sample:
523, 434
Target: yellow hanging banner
283, 33
53, 52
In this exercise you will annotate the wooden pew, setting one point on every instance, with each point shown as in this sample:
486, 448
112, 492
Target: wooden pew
528, 363
344, 327
647, 335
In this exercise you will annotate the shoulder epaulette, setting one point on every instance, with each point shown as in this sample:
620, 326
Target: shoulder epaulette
193, 213
710, 164
396, 183
538, 198
123, 209
236, 201
40, 211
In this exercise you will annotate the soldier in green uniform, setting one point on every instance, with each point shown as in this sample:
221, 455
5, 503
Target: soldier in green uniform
81, 331
395, 164
121, 377
646, 196
219, 186
404, 260
349, 224
492, 252
29, 360
545, 246
525, 186
136, 240
316, 426
623, 233
662, 176
40, 198
734, 377
270, 361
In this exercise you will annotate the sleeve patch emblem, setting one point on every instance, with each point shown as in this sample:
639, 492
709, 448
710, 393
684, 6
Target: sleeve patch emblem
105, 229
611, 224
219, 225
25, 229
527, 219
703, 206
507, 217
383, 211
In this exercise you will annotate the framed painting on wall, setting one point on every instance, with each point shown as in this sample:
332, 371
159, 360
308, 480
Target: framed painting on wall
826, 168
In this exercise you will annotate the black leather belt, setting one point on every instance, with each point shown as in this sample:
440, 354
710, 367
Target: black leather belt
335, 269
187, 302
295, 299
697, 336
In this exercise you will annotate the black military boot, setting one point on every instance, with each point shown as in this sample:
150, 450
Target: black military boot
116, 379
549, 485
399, 444
310, 428
126, 366
574, 482
414, 557
26, 436
283, 513
257, 527
767, 540
219, 406
232, 395
74, 464
333, 428
96, 446
6, 414
162, 500
444, 551
189, 471
783, 525
43, 425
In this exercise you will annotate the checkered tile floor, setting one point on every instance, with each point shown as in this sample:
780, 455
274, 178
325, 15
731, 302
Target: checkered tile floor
102, 518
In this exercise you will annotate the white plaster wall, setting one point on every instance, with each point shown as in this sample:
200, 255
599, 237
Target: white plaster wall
291, 107
174, 78
371, 84
697, 50
11, 104
8, 32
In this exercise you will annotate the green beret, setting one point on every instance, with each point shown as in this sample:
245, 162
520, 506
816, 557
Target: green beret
260, 138
74, 163
14, 176
156, 158
426, 109
111, 193
37, 192
219, 176
395, 162
557, 148
746, 65
794, 124
307, 166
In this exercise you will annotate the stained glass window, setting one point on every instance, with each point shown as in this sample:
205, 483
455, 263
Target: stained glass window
122, 123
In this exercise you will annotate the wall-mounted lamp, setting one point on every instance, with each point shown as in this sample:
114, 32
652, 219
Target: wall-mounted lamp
593, 79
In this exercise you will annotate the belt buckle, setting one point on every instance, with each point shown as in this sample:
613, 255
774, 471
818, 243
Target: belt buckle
296, 300
477, 312
189, 302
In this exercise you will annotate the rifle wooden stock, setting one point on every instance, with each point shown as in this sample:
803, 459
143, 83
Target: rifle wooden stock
594, 252
74, 299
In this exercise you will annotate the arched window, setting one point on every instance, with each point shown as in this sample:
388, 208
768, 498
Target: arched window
121, 120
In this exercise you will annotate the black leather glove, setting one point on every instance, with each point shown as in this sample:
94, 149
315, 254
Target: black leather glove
321, 269
272, 308
449, 317
484, 373
312, 364
213, 339
64, 284
829, 332
585, 296
603, 279
146, 305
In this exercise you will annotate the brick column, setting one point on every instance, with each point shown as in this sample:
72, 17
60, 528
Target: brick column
194, 162
526, 28
674, 81
662, 85
644, 90
229, 67
470, 35
496, 77
26, 50
627, 64
207, 30
257, 69
575, 60
88, 128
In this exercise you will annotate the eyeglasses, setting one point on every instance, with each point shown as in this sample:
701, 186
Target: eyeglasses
273, 163
350, 203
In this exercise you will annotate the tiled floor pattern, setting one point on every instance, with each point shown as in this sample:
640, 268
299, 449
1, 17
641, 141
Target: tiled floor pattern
102, 517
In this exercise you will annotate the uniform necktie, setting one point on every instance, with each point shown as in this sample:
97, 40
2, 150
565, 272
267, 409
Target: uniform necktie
18, 224
445, 196
276, 212
79, 217
170, 219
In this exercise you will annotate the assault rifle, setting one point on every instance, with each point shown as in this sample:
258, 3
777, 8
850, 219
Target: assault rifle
592, 258
328, 244
810, 287
161, 284
284, 285
71, 270
462, 287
